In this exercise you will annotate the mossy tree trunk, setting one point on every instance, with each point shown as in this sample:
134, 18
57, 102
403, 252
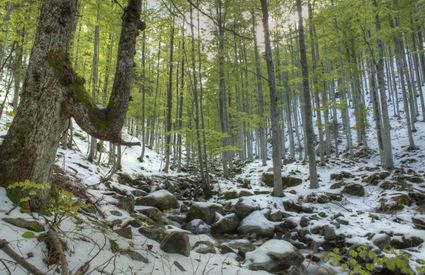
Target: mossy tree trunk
52, 93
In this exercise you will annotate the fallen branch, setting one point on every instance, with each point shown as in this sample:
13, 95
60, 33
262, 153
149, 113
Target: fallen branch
53, 236
4, 246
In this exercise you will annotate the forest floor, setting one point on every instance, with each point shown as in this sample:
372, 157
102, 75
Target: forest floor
357, 204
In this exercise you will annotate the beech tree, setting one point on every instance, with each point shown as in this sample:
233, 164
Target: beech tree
53, 93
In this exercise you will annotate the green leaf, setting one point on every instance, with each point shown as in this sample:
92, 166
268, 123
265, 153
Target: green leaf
28, 235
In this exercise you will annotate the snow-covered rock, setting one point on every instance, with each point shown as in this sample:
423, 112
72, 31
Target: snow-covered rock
257, 224
161, 199
205, 211
274, 256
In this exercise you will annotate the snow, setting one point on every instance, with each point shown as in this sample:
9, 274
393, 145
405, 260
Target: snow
270, 247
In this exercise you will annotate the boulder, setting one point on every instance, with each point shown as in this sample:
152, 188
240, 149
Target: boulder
125, 232
245, 206
293, 207
404, 242
153, 232
274, 256
161, 199
204, 247
354, 189
287, 181
176, 242
204, 211
382, 241
27, 224
257, 224
419, 222
125, 203
243, 246
152, 212
198, 226
226, 225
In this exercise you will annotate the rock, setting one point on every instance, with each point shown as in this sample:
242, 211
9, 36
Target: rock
246, 193
116, 213
342, 221
198, 226
287, 182
382, 241
226, 225
394, 203
245, 206
403, 242
136, 256
312, 268
304, 221
27, 224
275, 216
257, 224
293, 207
375, 178
274, 256
419, 222
161, 199
354, 189
125, 232
153, 232
176, 242
329, 233
418, 197
152, 212
125, 203
204, 211
224, 249
228, 195
342, 175
336, 185
285, 227
204, 247
126, 179
243, 246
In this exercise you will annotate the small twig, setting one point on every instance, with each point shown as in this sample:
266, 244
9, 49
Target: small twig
5, 266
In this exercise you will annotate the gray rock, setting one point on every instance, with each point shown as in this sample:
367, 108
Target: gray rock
419, 222
242, 245
153, 232
125, 203
176, 242
152, 212
205, 211
354, 189
125, 232
245, 206
161, 199
382, 241
274, 256
257, 224
226, 225
293, 207
27, 224
287, 181
204, 247
403, 242
198, 226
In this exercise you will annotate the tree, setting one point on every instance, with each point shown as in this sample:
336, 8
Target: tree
306, 101
274, 106
53, 93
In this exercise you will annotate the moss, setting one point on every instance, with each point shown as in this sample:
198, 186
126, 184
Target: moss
59, 61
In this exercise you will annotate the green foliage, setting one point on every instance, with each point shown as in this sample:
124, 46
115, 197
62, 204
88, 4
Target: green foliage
28, 235
61, 205
29, 189
363, 260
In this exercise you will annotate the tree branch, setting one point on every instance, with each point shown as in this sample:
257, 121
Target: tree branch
4, 246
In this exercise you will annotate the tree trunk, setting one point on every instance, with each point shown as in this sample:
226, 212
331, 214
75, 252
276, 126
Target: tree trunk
308, 117
52, 93
274, 108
